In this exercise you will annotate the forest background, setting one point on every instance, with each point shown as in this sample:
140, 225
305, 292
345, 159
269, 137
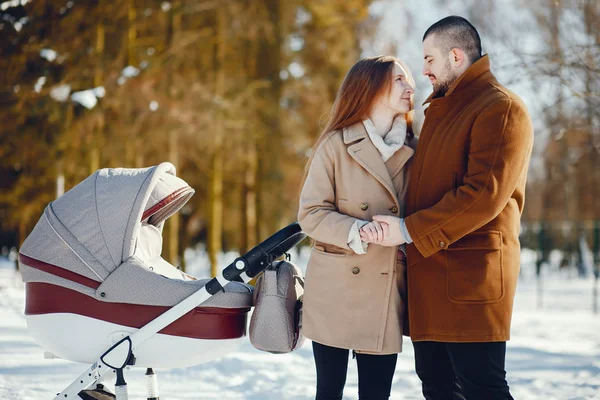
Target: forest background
235, 93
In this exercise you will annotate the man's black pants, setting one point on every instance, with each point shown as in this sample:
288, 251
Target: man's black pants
457, 371
375, 373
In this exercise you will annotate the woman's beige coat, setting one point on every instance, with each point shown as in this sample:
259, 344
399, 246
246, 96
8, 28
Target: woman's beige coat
353, 301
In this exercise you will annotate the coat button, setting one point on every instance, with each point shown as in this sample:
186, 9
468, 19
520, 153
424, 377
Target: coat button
364, 206
442, 244
394, 209
355, 270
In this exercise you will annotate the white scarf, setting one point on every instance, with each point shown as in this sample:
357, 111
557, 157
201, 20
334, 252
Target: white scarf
392, 141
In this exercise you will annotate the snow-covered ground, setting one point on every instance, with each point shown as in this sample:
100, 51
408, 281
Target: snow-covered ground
554, 353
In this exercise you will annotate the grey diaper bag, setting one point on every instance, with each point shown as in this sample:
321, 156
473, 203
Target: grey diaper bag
276, 323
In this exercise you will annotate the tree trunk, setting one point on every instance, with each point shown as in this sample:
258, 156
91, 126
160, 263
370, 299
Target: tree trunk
173, 223
60, 162
270, 144
590, 17
249, 203
215, 225
131, 144
97, 129
249, 198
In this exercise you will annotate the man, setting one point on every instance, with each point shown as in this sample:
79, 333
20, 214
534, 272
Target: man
463, 207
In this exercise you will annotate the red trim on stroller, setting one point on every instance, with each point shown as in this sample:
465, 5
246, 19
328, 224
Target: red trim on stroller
58, 271
199, 323
173, 196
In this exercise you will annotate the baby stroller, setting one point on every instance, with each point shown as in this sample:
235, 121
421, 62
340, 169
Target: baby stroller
98, 291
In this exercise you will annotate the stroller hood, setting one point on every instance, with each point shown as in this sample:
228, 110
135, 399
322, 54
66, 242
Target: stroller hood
99, 220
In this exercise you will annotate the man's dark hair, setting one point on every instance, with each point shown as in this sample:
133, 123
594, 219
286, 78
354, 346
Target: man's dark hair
456, 32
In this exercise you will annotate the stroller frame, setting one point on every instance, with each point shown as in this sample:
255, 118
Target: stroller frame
242, 269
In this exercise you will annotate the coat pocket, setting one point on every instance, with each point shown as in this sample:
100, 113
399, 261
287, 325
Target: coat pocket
329, 250
475, 269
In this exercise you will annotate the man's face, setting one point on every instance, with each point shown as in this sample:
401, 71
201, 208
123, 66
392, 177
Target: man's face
437, 67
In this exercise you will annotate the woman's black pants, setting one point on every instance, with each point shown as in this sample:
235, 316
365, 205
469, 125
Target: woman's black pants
375, 373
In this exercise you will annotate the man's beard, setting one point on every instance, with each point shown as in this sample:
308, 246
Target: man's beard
444, 81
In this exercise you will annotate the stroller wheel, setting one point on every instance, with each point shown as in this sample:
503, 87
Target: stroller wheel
97, 394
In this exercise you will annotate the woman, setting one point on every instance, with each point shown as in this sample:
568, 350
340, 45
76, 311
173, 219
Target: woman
354, 291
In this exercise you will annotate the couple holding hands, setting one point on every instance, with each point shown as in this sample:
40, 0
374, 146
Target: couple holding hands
417, 240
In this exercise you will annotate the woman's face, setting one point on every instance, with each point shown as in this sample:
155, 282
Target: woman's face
398, 100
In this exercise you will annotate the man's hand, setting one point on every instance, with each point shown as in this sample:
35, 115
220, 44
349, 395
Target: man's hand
392, 233
372, 232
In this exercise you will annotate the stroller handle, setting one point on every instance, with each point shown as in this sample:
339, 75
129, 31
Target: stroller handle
261, 256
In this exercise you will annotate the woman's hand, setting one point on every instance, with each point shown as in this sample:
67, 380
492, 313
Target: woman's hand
373, 232
393, 235
384, 230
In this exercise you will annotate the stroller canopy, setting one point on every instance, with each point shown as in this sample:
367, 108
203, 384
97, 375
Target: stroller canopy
99, 220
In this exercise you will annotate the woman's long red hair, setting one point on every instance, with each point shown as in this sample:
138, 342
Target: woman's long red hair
365, 82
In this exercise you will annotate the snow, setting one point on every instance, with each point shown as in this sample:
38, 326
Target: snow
48, 54
296, 70
89, 98
86, 98
60, 92
19, 24
165, 6
554, 352
130, 71
99, 92
39, 84
13, 3
296, 43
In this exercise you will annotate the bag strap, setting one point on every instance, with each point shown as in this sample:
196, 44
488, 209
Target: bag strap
270, 279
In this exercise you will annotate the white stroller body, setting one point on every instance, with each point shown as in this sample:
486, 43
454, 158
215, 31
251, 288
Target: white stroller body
98, 292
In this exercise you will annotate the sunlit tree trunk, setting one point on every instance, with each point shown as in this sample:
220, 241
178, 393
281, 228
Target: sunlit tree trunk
249, 202
215, 225
131, 145
269, 146
97, 128
173, 223
249, 197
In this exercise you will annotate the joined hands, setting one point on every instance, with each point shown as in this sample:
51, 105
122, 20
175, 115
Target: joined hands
384, 230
